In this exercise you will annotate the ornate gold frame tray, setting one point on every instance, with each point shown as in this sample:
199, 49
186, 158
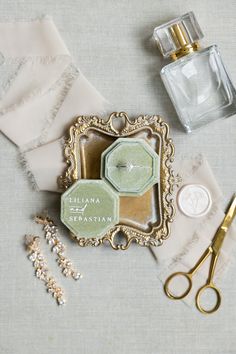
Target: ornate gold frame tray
144, 219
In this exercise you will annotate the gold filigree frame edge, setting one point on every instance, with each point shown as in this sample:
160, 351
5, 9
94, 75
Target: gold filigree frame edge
157, 126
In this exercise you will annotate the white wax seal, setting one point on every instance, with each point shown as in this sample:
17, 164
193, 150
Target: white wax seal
194, 200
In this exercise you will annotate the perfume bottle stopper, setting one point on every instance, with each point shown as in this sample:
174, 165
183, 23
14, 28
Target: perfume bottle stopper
178, 37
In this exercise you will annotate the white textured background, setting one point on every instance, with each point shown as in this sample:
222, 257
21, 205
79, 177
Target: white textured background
119, 307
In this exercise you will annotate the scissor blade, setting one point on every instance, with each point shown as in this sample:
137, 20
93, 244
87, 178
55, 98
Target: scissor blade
224, 226
230, 215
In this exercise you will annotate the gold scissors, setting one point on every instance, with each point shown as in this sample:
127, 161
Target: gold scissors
214, 251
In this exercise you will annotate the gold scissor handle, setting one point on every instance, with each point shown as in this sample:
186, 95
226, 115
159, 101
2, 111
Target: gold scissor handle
198, 298
167, 290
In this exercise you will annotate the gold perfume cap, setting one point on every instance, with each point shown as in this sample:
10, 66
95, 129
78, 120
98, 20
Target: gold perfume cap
178, 37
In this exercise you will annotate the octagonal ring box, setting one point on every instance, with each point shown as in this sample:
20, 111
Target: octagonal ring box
89, 208
130, 166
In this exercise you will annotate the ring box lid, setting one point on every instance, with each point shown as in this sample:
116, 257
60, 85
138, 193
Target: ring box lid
89, 208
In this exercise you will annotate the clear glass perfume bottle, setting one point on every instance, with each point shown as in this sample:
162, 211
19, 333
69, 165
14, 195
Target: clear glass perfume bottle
196, 81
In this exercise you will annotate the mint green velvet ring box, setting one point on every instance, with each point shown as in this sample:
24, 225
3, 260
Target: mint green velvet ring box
90, 208
130, 166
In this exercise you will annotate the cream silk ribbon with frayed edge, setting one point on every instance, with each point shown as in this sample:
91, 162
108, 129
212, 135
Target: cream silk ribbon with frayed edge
190, 237
42, 92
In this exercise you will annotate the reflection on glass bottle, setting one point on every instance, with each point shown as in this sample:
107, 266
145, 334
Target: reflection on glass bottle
196, 81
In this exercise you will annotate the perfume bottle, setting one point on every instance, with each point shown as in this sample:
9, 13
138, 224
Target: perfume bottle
196, 81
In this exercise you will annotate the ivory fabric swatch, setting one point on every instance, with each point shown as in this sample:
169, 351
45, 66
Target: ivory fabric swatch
190, 237
42, 91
